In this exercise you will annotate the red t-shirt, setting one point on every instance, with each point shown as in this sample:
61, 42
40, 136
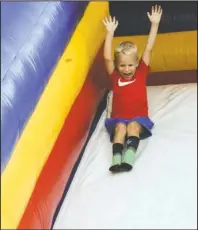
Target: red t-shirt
130, 96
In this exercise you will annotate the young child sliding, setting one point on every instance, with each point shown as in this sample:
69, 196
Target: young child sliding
129, 122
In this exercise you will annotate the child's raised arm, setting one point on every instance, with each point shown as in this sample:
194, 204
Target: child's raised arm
154, 18
111, 26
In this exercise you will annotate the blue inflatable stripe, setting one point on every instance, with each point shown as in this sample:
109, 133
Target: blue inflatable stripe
33, 37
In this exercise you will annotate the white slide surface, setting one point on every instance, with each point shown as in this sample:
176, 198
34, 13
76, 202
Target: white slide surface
161, 190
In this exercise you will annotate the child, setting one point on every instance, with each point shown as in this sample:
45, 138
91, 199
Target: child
129, 121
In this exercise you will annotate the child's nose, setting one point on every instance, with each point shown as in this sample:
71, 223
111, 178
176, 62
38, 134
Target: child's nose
126, 68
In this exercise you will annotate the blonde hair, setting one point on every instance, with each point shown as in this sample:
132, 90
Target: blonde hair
127, 48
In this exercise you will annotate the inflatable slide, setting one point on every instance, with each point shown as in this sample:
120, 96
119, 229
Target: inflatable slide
55, 151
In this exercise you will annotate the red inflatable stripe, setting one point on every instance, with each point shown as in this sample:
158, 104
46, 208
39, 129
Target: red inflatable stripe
54, 176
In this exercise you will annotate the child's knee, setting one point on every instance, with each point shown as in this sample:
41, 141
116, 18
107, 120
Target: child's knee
134, 128
121, 128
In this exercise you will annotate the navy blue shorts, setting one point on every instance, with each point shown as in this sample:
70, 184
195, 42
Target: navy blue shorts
145, 123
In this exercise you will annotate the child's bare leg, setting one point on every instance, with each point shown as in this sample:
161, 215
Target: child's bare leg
120, 133
133, 134
118, 144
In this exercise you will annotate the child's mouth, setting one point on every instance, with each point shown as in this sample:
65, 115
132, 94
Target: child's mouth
127, 75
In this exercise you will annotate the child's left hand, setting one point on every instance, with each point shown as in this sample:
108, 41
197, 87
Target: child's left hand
155, 15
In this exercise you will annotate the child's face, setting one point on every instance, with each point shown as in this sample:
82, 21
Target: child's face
126, 65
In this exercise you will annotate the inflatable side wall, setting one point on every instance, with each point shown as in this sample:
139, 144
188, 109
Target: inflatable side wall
49, 98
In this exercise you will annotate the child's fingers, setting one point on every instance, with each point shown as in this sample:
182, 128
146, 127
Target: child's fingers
156, 8
152, 10
159, 9
116, 23
104, 22
110, 21
114, 20
105, 19
148, 14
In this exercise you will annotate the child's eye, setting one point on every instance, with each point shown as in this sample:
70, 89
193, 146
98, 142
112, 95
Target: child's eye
131, 65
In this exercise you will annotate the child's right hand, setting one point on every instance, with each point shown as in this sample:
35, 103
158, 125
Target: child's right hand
110, 24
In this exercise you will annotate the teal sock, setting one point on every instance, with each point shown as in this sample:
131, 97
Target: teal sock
117, 158
129, 156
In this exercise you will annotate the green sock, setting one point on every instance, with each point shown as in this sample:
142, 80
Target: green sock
129, 156
117, 158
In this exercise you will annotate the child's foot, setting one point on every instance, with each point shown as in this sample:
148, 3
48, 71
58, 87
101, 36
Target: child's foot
115, 168
125, 167
116, 163
128, 160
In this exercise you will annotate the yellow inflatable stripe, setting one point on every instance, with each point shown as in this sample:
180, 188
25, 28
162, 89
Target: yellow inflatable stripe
42, 129
172, 51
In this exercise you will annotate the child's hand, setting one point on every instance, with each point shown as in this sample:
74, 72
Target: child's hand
110, 24
155, 15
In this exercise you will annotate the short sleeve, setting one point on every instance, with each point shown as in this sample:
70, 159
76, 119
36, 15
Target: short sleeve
114, 75
143, 69
143, 66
